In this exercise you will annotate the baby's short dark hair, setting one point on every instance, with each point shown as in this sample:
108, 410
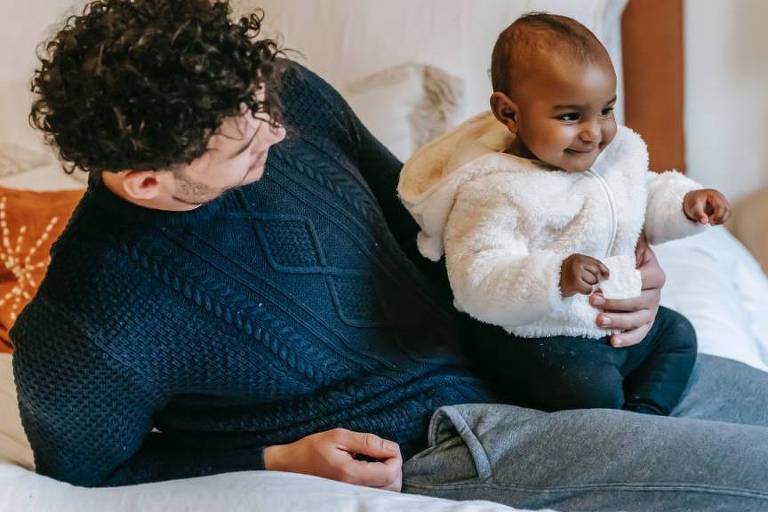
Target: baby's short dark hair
536, 32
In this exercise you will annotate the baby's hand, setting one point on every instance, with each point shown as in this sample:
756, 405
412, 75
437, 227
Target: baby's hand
706, 206
579, 273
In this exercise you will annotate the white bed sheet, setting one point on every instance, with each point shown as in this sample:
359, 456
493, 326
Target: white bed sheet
715, 282
251, 491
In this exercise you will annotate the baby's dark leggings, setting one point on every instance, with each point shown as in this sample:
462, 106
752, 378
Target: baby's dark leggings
563, 372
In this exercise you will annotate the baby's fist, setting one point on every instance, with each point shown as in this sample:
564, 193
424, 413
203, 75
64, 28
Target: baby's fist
580, 273
706, 206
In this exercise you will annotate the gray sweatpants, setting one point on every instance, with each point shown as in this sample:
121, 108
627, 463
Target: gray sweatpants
713, 455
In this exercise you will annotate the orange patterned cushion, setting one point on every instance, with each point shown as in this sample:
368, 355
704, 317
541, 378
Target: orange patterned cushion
29, 224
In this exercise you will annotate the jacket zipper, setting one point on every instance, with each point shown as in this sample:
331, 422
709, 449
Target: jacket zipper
612, 206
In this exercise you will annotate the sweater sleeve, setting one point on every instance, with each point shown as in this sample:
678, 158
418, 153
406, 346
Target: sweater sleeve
495, 275
664, 217
88, 417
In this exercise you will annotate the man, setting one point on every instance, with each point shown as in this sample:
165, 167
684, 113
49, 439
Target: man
207, 310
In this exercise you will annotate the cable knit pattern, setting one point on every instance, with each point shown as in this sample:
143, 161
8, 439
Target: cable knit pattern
284, 308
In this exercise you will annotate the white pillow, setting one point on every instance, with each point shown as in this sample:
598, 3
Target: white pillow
425, 96
47, 177
15, 159
25, 161
383, 100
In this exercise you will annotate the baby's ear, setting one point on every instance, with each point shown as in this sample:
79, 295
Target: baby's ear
505, 110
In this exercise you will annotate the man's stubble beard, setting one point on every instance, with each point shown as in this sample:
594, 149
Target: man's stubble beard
194, 193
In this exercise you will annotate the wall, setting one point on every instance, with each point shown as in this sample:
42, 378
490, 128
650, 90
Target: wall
23, 25
726, 44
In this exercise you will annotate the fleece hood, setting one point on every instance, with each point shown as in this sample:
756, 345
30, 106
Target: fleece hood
431, 178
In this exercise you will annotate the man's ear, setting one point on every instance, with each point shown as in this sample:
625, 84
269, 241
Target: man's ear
142, 185
505, 110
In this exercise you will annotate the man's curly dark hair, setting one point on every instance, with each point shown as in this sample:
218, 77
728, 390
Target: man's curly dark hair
143, 84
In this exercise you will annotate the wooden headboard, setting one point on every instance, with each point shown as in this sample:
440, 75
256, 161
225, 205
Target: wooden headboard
652, 48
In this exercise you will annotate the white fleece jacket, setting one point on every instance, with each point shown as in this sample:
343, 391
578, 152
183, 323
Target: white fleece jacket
506, 223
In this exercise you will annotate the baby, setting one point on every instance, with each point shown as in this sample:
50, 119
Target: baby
539, 204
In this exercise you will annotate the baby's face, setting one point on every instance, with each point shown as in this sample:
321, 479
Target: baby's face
565, 113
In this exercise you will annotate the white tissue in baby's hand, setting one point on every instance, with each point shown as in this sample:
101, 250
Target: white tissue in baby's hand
624, 281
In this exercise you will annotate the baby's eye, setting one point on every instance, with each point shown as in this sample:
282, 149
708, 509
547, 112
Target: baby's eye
607, 111
569, 117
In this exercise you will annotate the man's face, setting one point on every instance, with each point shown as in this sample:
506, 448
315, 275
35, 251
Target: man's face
236, 156
565, 113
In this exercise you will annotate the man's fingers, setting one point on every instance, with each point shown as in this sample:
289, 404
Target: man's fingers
643, 252
372, 474
623, 305
631, 337
648, 299
369, 445
397, 485
625, 321
385, 472
651, 273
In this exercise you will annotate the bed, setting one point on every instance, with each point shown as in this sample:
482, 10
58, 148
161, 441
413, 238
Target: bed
712, 279
407, 91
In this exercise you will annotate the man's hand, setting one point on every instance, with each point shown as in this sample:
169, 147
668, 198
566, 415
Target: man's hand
706, 206
580, 273
335, 454
633, 316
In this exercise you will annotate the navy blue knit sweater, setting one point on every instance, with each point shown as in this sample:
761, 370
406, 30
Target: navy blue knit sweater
284, 308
